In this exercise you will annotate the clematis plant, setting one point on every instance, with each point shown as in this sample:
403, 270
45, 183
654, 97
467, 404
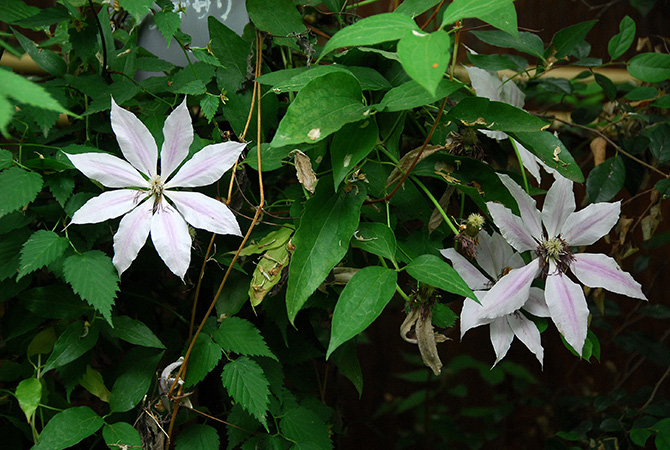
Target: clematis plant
149, 200
496, 257
563, 230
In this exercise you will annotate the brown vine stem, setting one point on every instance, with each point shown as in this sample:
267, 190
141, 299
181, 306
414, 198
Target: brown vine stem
432, 16
259, 209
616, 147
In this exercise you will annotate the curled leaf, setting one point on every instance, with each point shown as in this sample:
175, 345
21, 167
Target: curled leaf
303, 168
406, 162
424, 336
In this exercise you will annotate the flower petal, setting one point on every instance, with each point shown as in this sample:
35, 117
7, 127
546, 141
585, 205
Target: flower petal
178, 133
558, 205
470, 313
135, 140
470, 274
107, 170
131, 235
598, 270
204, 212
108, 205
511, 292
497, 135
527, 333
529, 161
527, 206
501, 338
511, 94
591, 223
536, 304
512, 227
169, 233
486, 84
207, 166
567, 306
494, 255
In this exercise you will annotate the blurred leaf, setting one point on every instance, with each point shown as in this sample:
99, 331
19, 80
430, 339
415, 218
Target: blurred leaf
49, 61
69, 427
18, 187
413, 8
12, 11
650, 67
425, 57
197, 437
662, 440
303, 427
567, 40
375, 238
362, 300
606, 180
641, 93
606, 84
659, 145
411, 95
76, 340
280, 20
639, 436
6, 158
432, 270
92, 381
135, 332
240, 336
443, 316
528, 43
54, 301
41, 249
498, 62
137, 373
42, 343
245, 381
346, 360
29, 393
137, 8
10, 247
118, 434
622, 41
463, 9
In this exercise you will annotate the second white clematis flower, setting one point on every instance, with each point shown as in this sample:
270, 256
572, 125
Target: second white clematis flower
148, 199
563, 229
496, 258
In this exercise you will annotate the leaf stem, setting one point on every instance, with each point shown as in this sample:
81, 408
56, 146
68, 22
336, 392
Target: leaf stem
523, 169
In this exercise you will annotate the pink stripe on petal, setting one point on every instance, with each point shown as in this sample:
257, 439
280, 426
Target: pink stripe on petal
598, 270
207, 166
568, 309
108, 205
511, 227
511, 292
170, 236
532, 218
590, 224
136, 142
558, 205
108, 170
178, 133
470, 274
204, 212
131, 235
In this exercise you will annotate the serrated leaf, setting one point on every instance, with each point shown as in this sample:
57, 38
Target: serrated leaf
371, 30
462, 9
168, 23
137, 8
321, 241
61, 187
137, 373
193, 87
209, 105
93, 277
375, 238
411, 95
322, 107
240, 336
119, 434
135, 332
6, 158
29, 393
92, 381
567, 40
18, 187
606, 180
443, 316
431, 270
24, 91
306, 429
425, 57
69, 427
41, 249
622, 41
362, 300
650, 67
76, 340
197, 437
204, 358
10, 247
246, 383
241, 426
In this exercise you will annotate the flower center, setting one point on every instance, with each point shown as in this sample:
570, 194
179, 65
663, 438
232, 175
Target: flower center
554, 250
156, 189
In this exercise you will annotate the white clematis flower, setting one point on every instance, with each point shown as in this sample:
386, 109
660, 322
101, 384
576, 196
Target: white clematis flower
563, 229
487, 84
149, 200
496, 258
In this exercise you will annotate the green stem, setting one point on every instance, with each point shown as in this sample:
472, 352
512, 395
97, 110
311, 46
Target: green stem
523, 169
436, 203
363, 3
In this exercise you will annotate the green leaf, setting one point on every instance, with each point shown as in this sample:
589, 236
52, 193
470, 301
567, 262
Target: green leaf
43, 248
306, 429
204, 358
639, 436
197, 437
240, 426
240, 336
375, 238
641, 93
481, 112
135, 332
42, 343
71, 344
24, 91
55, 301
662, 102
68, 428
498, 62
209, 105
49, 61
61, 187
622, 41
528, 43
93, 277
137, 373
346, 360
350, 145
194, 87
168, 23
137, 8
246, 383
662, 440
432, 270
228, 47
92, 381
29, 393
280, 20
295, 79
606, 180
362, 300
371, 30
567, 40
10, 246
322, 107
463, 9
14, 10
6, 158
659, 141
650, 67
425, 57
552, 152
411, 95
121, 434
663, 186
321, 241
443, 316
606, 84
18, 187
503, 18
413, 8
